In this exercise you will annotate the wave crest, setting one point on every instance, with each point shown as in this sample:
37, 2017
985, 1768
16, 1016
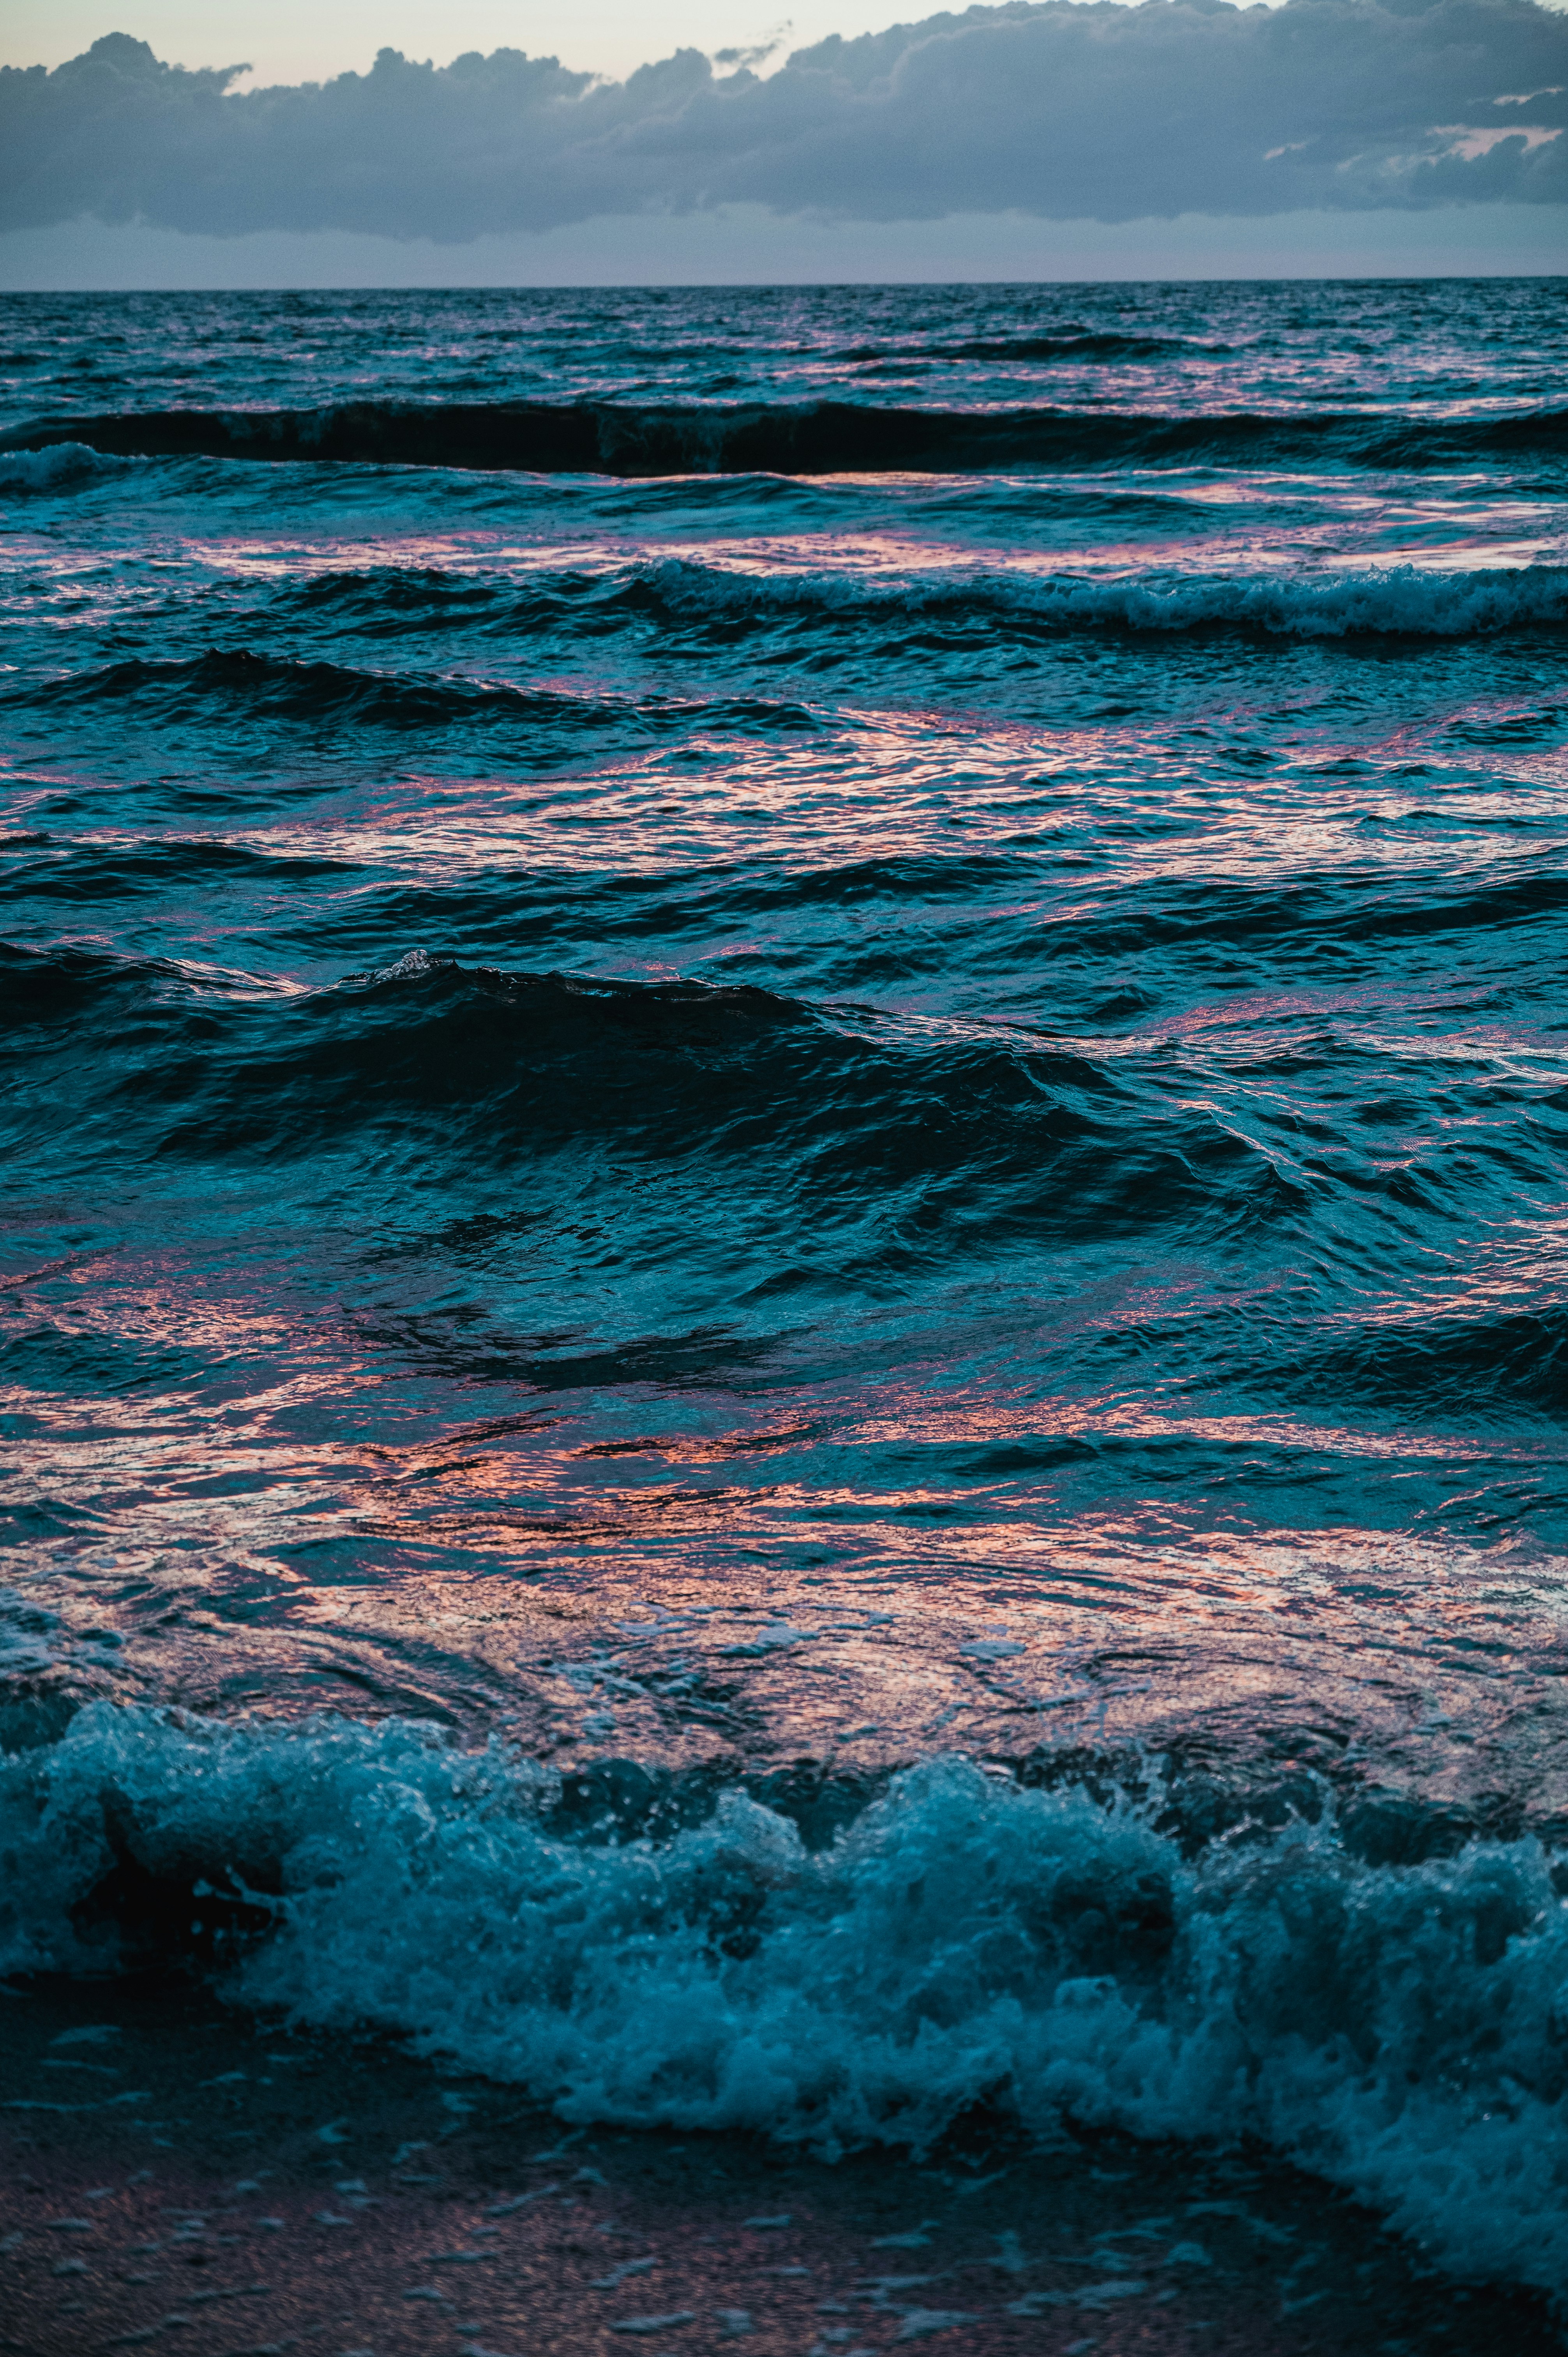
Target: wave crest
1406, 600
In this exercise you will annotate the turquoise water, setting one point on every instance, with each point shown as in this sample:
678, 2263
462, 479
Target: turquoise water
785, 1192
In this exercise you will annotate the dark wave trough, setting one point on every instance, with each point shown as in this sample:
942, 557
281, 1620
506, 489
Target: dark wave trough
804, 438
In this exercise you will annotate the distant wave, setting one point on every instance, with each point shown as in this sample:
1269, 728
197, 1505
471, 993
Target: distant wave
1081, 344
1083, 347
1406, 599
233, 685
823, 437
1383, 2010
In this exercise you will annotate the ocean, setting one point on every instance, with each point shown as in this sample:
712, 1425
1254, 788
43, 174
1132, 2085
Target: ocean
785, 1288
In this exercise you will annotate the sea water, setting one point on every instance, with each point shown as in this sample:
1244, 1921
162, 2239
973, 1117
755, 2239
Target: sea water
786, 1234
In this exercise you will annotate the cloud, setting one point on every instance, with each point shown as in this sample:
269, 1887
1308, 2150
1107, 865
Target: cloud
1060, 111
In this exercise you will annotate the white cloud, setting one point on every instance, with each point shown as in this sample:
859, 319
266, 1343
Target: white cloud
1466, 141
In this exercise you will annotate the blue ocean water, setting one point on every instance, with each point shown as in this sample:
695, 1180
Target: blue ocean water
784, 1270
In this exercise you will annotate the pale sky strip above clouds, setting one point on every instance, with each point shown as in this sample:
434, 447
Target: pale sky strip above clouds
299, 40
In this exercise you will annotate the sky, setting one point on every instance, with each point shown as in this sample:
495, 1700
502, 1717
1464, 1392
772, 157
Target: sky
1036, 138
293, 40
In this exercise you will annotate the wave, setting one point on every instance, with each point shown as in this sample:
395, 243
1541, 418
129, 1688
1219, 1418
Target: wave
1403, 600
964, 1129
901, 1146
235, 682
1047, 1947
1081, 344
226, 683
1407, 600
126, 869
55, 463
819, 437
909, 1134
58, 986
1087, 346
237, 679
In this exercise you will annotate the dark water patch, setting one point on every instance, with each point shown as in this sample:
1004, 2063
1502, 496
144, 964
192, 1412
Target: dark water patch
704, 1360
675, 1066
45, 1357
226, 686
1408, 1373
1341, 917
151, 867
392, 599
566, 909
911, 1144
1084, 346
721, 897
61, 985
824, 437
1474, 1371
1067, 344
921, 1142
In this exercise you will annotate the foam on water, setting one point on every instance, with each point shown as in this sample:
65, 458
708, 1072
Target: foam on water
1406, 599
963, 1941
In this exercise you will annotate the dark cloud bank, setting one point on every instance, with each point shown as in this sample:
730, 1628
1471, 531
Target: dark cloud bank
1062, 111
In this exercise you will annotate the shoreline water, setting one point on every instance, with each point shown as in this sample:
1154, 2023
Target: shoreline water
257, 2190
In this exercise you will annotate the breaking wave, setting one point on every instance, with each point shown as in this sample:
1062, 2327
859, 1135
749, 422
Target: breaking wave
965, 1938
54, 464
1406, 599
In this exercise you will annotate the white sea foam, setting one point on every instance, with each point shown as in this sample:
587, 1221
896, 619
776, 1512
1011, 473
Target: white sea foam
63, 462
1401, 600
1403, 2030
